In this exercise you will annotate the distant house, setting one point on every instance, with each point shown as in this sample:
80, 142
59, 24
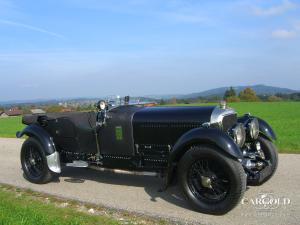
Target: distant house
150, 104
37, 111
3, 114
146, 104
13, 112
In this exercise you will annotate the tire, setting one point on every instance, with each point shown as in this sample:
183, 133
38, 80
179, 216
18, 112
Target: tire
271, 154
223, 170
34, 162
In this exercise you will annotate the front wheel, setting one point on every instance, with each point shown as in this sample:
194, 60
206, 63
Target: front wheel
34, 162
212, 182
270, 154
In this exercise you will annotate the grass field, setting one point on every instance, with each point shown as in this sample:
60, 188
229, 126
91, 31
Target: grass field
25, 211
10, 125
284, 117
25, 207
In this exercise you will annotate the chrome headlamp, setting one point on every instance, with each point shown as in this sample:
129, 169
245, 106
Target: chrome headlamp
239, 134
253, 128
101, 105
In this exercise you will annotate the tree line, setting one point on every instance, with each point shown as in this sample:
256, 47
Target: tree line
230, 95
249, 95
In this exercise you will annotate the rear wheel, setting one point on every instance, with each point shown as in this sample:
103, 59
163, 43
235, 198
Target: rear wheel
34, 162
212, 182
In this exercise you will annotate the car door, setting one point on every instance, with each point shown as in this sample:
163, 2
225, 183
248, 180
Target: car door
116, 136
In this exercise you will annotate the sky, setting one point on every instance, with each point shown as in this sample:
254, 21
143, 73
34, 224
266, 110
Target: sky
90, 48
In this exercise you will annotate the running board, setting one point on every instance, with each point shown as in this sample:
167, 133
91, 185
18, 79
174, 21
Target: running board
140, 173
78, 163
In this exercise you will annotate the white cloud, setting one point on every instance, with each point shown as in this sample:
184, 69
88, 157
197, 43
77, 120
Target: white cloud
290, 33
30, 27
283, 34
285, 6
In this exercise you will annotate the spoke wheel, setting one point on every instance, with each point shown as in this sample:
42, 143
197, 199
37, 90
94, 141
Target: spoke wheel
271, 155
213, 182
34, 162
207, 181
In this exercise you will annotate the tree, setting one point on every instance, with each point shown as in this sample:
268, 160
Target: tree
173, 101
230, 95
248, 95
162, 102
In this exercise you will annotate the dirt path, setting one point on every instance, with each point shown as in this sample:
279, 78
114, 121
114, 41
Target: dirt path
139, 193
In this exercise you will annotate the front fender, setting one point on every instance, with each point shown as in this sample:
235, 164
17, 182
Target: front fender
41, 135
201, 136
266, 130
205, 136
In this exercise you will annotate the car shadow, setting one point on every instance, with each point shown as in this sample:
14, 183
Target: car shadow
151, 184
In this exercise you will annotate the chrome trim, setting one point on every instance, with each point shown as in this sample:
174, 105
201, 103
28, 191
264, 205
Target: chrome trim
129, 172
53, 162
219, 113
78, 163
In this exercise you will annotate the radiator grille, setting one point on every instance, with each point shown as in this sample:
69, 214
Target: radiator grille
229, 121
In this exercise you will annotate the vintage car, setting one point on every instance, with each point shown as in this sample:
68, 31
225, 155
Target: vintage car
212, 153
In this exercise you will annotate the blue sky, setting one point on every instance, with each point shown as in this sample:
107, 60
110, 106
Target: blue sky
85, 48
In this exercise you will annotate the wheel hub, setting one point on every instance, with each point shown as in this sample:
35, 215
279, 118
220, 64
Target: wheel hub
32, 161
206, 182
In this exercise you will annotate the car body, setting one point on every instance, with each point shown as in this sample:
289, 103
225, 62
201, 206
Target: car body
187, 142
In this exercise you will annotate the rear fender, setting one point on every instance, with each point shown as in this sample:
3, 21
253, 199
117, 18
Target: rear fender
41, 135
47, 143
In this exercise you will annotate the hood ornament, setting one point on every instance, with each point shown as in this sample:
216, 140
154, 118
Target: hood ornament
223, 105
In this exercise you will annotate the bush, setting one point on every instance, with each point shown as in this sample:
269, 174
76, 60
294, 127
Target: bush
274, 98
54, 108
233, 99
248, 95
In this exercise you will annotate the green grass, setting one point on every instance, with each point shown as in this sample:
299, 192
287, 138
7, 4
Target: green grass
26, 207
23, 210
284, 117
10, 125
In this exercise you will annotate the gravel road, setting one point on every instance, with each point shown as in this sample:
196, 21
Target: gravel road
139, 193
